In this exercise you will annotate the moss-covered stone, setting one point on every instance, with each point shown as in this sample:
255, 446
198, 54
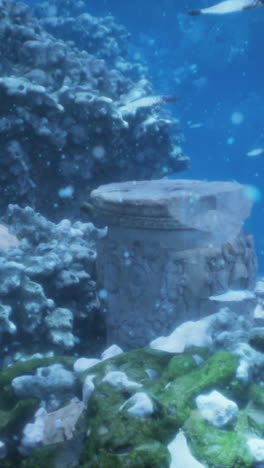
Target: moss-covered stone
216, 373
12, 421
43, 457
149, 455
28, 367
216, 448
7, 395
138, 365
256, 395
238, 391
179, 365
119, 439
245, 424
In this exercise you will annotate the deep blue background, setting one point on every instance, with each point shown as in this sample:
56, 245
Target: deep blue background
215, 64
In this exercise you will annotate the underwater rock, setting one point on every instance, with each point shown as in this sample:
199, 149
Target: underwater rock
226, 329
191, 333
51, 384
256, 447
33, 433
142, 405
127, 427
82, 364
216, 408
118, 379
179, 445
87, 390
242, 302
170, 246
112, 351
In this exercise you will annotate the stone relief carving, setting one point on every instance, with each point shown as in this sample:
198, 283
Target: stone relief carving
170, 246
156, 288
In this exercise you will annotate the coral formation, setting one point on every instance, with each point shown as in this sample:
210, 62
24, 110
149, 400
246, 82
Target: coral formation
62, 132
48, 290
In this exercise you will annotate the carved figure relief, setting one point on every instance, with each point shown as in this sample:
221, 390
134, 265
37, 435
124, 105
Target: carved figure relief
152, 288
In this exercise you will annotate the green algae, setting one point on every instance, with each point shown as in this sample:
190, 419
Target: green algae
42, 457
113, 429
216, 373
152, 454
214, 447
135, 364
178, 366
29, 367
8, 397
120, 439
13, 421
256, 394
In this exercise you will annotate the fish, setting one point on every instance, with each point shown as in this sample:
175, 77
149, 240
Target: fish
147, 101
87, 208
196, 125
228, 6
255, 152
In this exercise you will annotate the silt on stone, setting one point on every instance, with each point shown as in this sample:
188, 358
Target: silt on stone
171, 244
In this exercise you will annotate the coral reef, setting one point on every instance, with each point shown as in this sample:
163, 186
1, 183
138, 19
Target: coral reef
62, 129
48, 292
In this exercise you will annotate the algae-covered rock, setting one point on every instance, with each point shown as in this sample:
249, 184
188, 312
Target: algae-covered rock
216, 447
178, 396
171, 383
7, 395
152, 454
138, 403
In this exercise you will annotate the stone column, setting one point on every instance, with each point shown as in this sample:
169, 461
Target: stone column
171, 244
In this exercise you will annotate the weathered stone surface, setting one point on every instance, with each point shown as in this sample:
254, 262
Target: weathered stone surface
218, 208
171, 244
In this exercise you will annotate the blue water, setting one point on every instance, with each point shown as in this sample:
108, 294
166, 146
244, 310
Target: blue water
215, 65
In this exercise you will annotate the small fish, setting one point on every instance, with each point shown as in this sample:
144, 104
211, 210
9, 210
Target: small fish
196, 125
87, 208
147, 101
228, 6
255, 152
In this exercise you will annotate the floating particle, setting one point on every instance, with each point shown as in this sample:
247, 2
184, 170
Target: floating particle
66, 192
255, 152
98, 152
230, 141
103, 294
253, 193
237, 118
